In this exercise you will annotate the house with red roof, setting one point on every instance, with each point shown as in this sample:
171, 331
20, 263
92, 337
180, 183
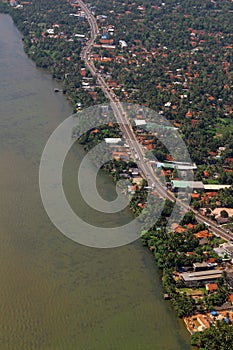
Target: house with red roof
230, 298
211, 287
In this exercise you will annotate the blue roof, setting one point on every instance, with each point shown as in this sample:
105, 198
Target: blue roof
214, 313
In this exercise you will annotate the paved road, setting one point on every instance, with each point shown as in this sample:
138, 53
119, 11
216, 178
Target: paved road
128, 133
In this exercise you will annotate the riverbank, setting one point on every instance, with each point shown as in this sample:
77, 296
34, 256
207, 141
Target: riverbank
140, 195
46, 55
57, 289
68, 58
177, 253
58, 53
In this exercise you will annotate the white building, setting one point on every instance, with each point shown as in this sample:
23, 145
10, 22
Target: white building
112, 140
140, 122
123, 43
50, 31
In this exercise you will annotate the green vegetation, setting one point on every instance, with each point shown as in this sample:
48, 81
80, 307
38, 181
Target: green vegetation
172, 254
181, 54
178, 54
226, 197
217, 337
170, 248
60, 52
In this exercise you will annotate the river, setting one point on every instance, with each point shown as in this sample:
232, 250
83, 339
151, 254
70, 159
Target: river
56, 294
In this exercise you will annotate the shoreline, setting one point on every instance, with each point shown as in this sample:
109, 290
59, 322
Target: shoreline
70, 100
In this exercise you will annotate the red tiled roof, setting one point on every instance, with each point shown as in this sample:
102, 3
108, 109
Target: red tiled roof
189, 114
150, 146
211, 194
106, 41
169, 157
180, 229
212, 287
195, 195
190, 225
189, 253
203, 234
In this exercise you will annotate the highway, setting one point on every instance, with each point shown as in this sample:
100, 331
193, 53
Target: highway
128, 133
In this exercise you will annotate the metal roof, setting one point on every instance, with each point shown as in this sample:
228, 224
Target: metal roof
185, 184
201, 275
215, 187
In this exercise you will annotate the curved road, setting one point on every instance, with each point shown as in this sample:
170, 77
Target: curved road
129, 135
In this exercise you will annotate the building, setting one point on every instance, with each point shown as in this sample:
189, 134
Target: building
203, 234
112, 140
50, 31
80, 36
122, 43
228, 249
176, 165
211, 287
221, 253
192, 279
197, 323
230, 299
13, 3
230, 278
140, 122
202, 266
187, 184
108, 47
213, 187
